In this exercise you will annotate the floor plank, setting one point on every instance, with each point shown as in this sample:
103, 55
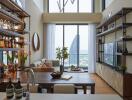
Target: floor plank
101, 87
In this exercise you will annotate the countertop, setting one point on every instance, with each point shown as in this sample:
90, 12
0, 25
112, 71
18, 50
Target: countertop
37, 96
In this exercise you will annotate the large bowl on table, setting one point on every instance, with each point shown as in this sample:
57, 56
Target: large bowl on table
56, 75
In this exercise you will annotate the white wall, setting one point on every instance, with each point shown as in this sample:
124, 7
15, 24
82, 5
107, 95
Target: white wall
108, 2
36, 26
39, 4
115, 6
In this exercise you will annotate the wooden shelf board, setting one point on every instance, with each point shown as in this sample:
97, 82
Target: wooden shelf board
8, 17
21, 43
127, 54
11, 49
123, 11
10, 33
124, 25
23, 31
14, 7
124, 39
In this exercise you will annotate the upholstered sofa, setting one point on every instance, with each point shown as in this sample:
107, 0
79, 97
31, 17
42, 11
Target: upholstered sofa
45, 65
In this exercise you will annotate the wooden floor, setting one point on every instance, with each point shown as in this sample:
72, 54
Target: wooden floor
100, 86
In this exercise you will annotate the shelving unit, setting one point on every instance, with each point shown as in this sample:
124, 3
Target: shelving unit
12, 29
105, 30
118, 70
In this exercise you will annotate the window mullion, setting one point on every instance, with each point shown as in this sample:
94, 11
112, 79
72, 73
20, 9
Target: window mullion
78, 6
78, 47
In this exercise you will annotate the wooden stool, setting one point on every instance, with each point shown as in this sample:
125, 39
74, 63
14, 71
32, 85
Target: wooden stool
64, 88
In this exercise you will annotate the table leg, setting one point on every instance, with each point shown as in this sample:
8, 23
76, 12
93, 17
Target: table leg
84, 89
93, 89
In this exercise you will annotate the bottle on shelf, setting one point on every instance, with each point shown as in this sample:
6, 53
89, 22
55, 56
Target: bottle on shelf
10, 90
1, 70
2, 44
10, 43
18, 90
6, 42
14, 43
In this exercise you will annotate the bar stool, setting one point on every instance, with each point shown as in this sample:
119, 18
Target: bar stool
64, 88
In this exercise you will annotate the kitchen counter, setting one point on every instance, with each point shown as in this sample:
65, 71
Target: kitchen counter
37, 96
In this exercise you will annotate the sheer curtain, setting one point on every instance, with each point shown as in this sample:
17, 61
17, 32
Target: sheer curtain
50, 41
92, 48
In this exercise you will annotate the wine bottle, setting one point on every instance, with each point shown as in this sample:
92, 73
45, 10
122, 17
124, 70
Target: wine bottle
10, 90
18, 90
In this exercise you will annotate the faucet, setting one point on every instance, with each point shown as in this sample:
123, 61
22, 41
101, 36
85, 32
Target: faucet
30, 72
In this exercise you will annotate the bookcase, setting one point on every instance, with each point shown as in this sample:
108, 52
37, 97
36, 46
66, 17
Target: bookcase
13, 27
113, 50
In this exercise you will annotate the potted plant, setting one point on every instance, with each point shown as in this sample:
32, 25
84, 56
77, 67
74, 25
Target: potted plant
11, 64
62, 54
23, 57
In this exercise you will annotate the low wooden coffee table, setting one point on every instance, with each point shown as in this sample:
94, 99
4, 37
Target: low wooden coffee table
80, 70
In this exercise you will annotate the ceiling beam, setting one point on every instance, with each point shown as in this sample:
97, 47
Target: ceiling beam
72, 18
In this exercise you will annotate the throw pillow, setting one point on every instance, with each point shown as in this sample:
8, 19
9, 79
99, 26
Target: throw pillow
44, 65
48, 64
43, 60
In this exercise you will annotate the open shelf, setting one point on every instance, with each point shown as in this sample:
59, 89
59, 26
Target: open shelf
119, 14
10, 33
14, 7
5, 15
118, 27
23, 31
127, 54
124, 39
11, 49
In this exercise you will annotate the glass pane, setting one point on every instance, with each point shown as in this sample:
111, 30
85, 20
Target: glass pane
70, 7
83, 44
53, 6
85, 5
71, 42
59, 36
1, 58
5, 57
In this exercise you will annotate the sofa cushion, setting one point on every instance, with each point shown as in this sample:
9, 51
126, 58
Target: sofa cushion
48, 64
43, 60
37, 63
44, 65
43, 69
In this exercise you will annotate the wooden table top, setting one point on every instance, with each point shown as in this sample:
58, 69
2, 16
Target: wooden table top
68, 97
45, 78
77, 78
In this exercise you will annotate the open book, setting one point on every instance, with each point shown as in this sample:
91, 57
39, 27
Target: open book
66, 77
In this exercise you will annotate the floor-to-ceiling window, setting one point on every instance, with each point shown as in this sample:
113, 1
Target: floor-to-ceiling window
83, 45
73, 36
70, 41
70, 6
